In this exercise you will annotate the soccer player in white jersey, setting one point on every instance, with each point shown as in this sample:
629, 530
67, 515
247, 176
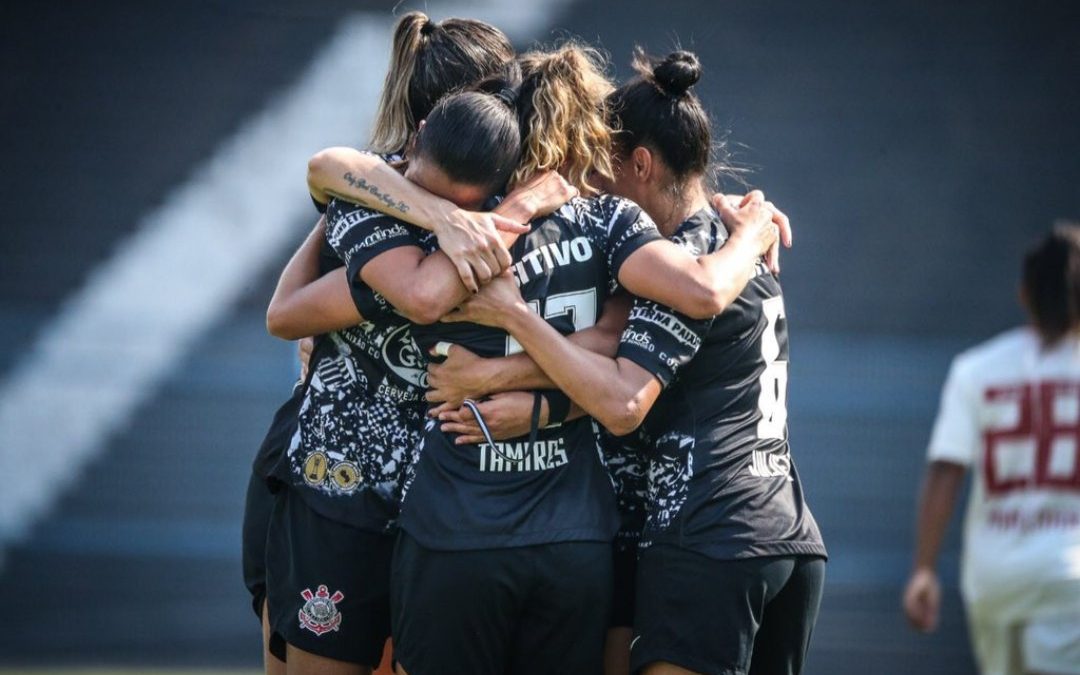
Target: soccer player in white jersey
1010, 412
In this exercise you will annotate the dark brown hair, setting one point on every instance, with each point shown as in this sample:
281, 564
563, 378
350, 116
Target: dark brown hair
429, 60
473, 136
1051, 282
658, 110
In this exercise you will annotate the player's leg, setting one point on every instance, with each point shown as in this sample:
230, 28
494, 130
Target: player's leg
258, 506
784, 635
996, 644
697, 614
328, 589
621, 630
1051, 645
272, 663
566, 617
455, 611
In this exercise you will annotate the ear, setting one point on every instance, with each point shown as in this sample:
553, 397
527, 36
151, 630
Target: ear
641, 164
410, 148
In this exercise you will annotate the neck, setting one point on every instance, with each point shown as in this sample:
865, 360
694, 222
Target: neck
670, 209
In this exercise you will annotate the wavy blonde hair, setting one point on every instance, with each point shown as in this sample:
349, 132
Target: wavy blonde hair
564, 112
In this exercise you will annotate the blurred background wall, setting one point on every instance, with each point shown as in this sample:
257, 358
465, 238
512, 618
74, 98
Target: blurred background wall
154, 187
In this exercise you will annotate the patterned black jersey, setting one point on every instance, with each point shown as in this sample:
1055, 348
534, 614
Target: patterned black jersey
362, 409
721, 478
628, 464
555, 486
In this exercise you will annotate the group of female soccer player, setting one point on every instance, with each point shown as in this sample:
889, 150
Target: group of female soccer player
542, 427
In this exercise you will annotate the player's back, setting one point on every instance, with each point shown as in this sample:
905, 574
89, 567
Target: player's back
1011, 410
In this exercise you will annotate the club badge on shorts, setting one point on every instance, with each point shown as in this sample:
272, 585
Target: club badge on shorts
320, 613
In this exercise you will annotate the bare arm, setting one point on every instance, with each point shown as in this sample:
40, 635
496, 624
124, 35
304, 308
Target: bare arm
476, 242
617, 392
465, 375
922, 597
305, 304
703, 287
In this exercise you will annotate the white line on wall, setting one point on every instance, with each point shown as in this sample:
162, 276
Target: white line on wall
139, 312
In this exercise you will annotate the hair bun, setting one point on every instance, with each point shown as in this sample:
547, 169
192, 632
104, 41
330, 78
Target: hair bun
677, 73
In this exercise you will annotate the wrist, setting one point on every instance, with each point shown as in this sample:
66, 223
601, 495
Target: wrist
517, 209
445, 216
516, 318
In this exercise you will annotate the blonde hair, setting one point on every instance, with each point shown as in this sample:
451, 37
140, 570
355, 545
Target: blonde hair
563, 101
427, 61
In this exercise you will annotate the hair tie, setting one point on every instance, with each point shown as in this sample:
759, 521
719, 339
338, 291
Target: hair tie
508, 96
428, 27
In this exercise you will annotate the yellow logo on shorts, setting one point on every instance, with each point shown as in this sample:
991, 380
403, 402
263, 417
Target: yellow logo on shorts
315, 468
346, 476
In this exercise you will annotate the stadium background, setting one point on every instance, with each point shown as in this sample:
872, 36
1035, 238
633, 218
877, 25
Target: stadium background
147, 145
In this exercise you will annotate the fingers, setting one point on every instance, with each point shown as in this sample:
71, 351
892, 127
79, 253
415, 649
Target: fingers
772, 258
753, 197
440, 410
458, 315
506, 225
470, 439
481, 267
465, 271
434, 396
781, 220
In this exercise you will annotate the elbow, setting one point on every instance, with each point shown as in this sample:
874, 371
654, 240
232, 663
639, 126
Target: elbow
278, 325
625, 417
422, 307
708, 301
318, 168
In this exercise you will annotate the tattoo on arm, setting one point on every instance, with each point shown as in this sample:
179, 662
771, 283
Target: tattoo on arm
383, 197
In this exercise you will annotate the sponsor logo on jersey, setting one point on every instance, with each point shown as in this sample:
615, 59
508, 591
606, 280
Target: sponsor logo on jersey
764, 464
320, 614
663, 318
523, 456
382, 234
638, 338
550, 256
404, 358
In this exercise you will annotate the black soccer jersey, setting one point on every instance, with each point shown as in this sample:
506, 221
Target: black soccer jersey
554, 488
362, 409
721, 478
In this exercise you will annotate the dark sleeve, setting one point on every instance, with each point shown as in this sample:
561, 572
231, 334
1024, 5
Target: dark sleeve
620, 228
661, 340
358, 235
319, 206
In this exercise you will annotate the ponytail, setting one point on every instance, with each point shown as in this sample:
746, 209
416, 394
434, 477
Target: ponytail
427, 61
1051, 283
394, 123
562, 102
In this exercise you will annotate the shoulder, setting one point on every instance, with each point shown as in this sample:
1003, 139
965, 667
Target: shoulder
1005, 349
701, 233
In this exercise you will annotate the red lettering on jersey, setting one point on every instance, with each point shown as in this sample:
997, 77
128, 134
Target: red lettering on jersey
1037, 420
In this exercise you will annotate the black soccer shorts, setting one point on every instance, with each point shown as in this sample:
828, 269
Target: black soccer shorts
525, 610
258, 504
733, 617
328, 584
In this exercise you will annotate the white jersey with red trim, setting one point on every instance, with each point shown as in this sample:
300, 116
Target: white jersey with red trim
1011, 411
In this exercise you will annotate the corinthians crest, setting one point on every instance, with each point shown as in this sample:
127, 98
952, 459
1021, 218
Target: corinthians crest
320, 613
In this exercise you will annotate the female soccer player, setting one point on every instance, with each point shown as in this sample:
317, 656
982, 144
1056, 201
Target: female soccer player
1009, 412
505, 557
732, 563
428, 60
